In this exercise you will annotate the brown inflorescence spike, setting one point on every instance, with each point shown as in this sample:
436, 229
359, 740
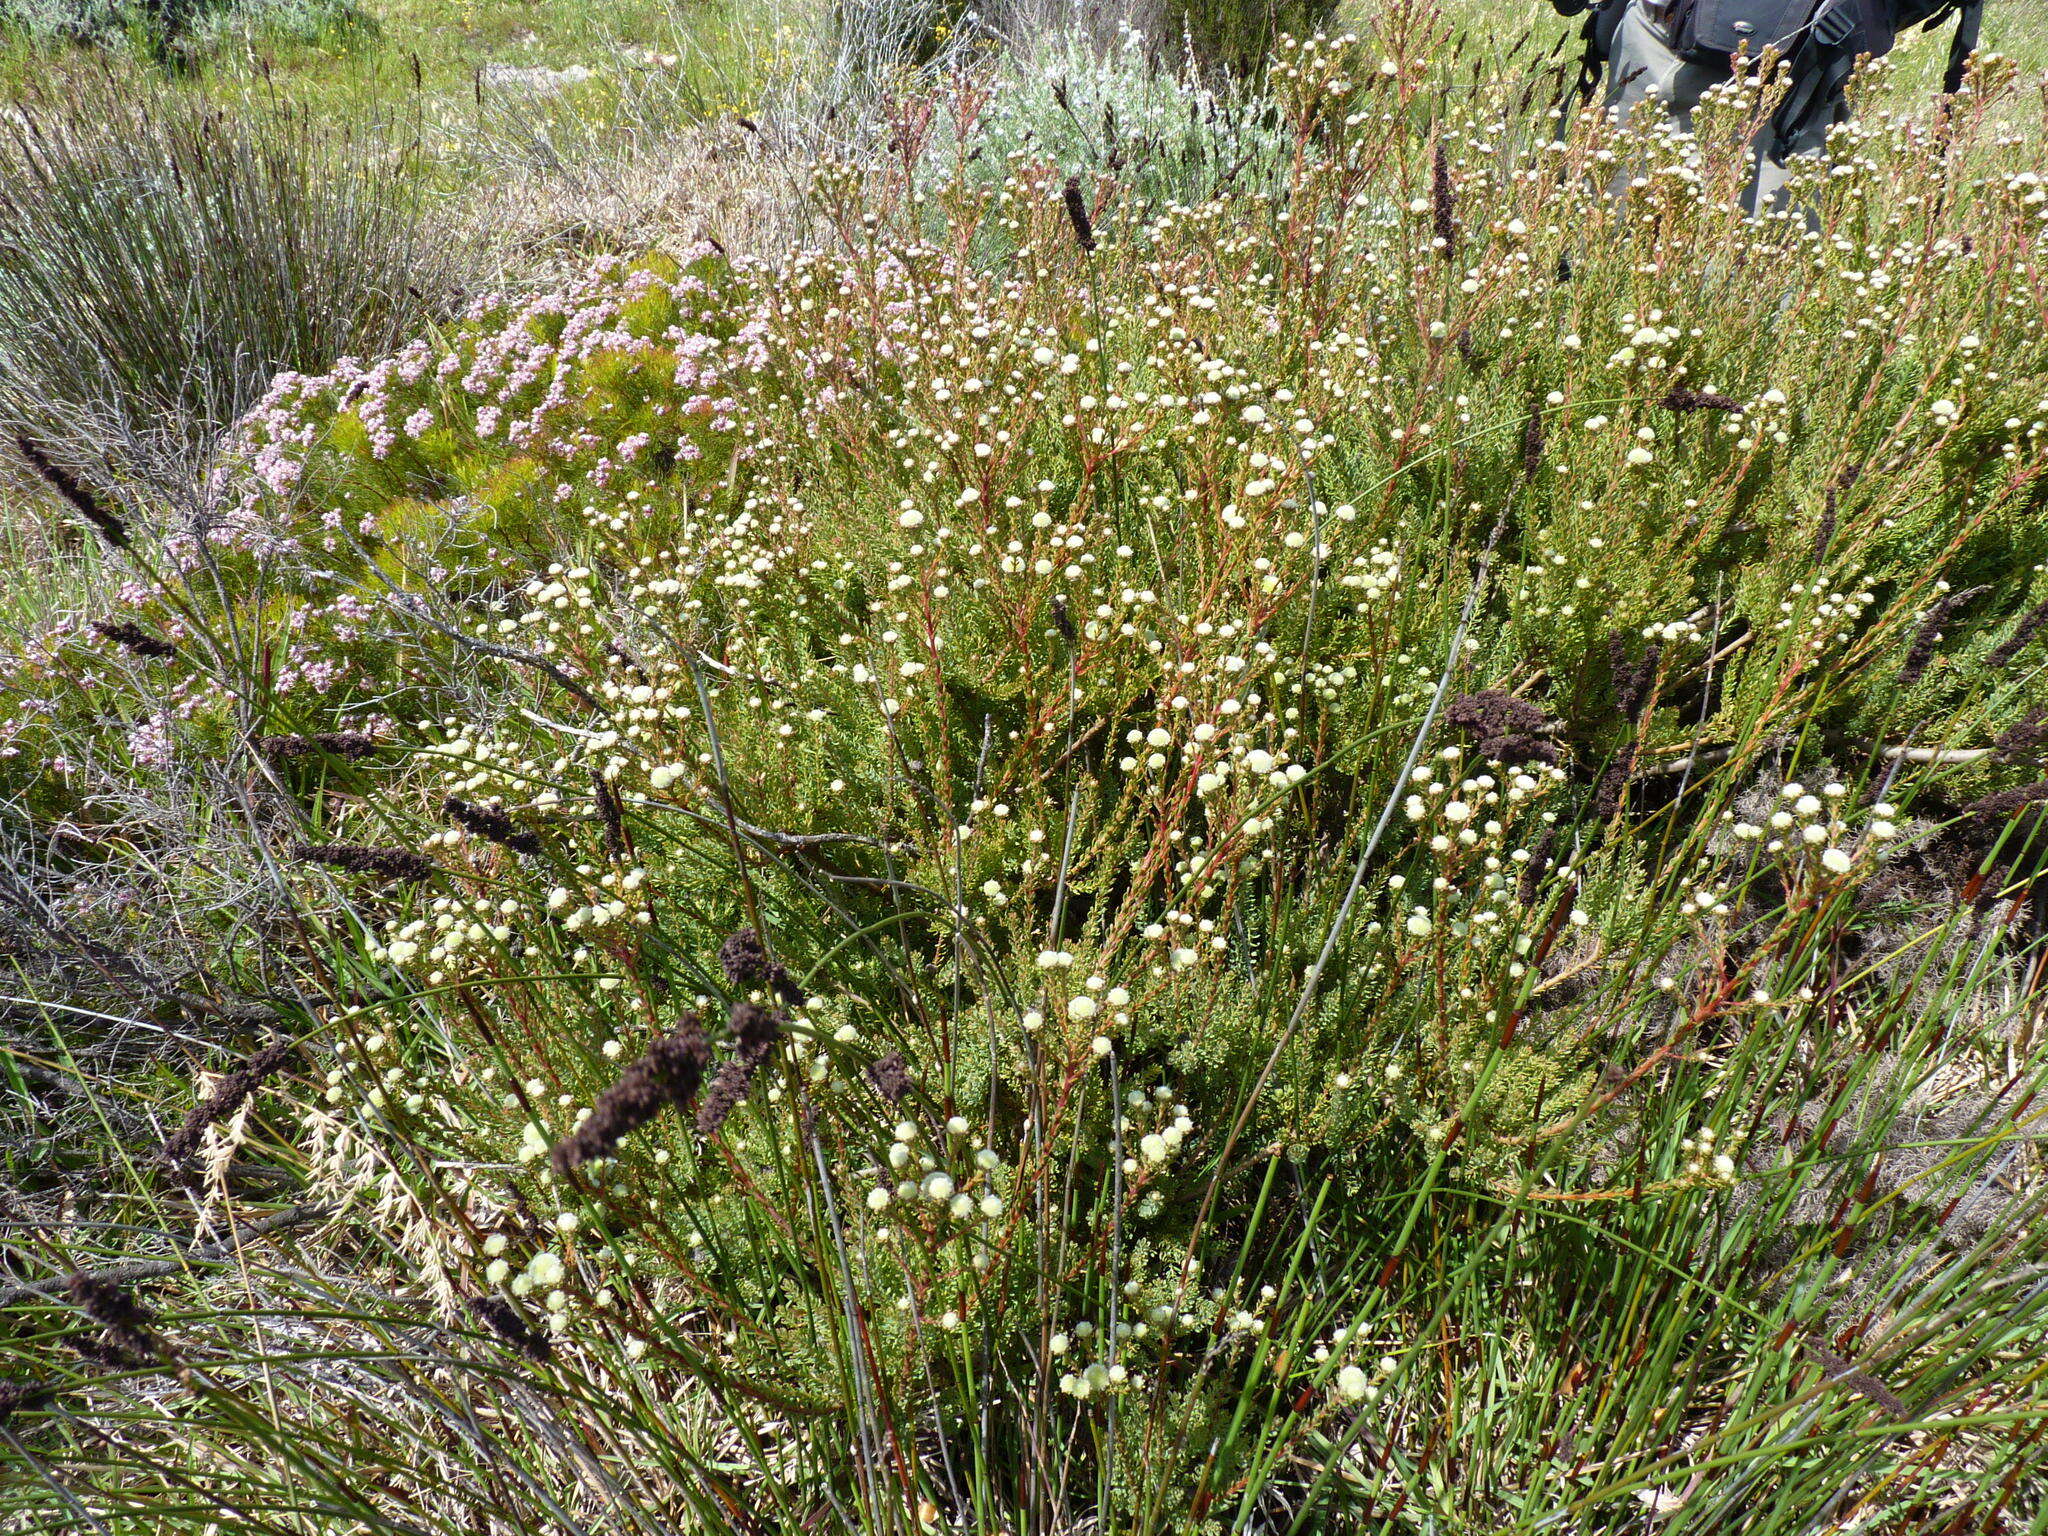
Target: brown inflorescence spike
1509, 730
395, 865
2024, 738
228, 1096
1537, 867
890, 1077
491, 824
1633, 680
353, 745
2007, 801
133, 638
67, 485
611, 813
1077, 215
17, 1395
1921, 651
1443, 204
101, 1350
728, 1088
744, 959
755, 1029
670, 1072
1843, 1373
1534, 441
784, 986
2029, 627
1613, 787
1063, 619
754, 1032
1824, 536
126, 1320
1684, 400
503, 1319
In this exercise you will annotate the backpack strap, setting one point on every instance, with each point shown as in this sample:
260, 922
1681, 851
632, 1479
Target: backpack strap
1820, 63
1825, 59
1597, 33
1603, 20
1969, 27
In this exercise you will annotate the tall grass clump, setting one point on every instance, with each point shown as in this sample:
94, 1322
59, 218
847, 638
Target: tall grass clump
162, 257
1364, 855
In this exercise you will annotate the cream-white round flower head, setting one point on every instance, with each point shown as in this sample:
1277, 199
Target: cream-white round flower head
1352, 1384
1083, 1007
544, 1269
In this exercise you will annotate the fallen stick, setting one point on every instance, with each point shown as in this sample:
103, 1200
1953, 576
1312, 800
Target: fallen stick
202, 1253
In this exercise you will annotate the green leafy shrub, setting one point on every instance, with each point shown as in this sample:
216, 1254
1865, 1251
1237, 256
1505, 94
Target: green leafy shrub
1117, 887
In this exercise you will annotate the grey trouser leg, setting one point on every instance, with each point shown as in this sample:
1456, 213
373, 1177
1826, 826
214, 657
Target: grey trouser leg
1642, 65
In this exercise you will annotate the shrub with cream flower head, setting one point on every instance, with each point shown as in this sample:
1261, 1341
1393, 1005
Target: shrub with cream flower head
1101, 830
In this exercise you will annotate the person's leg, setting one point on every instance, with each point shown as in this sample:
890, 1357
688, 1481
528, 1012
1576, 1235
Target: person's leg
1644, 65
1640, 64
1766, 189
